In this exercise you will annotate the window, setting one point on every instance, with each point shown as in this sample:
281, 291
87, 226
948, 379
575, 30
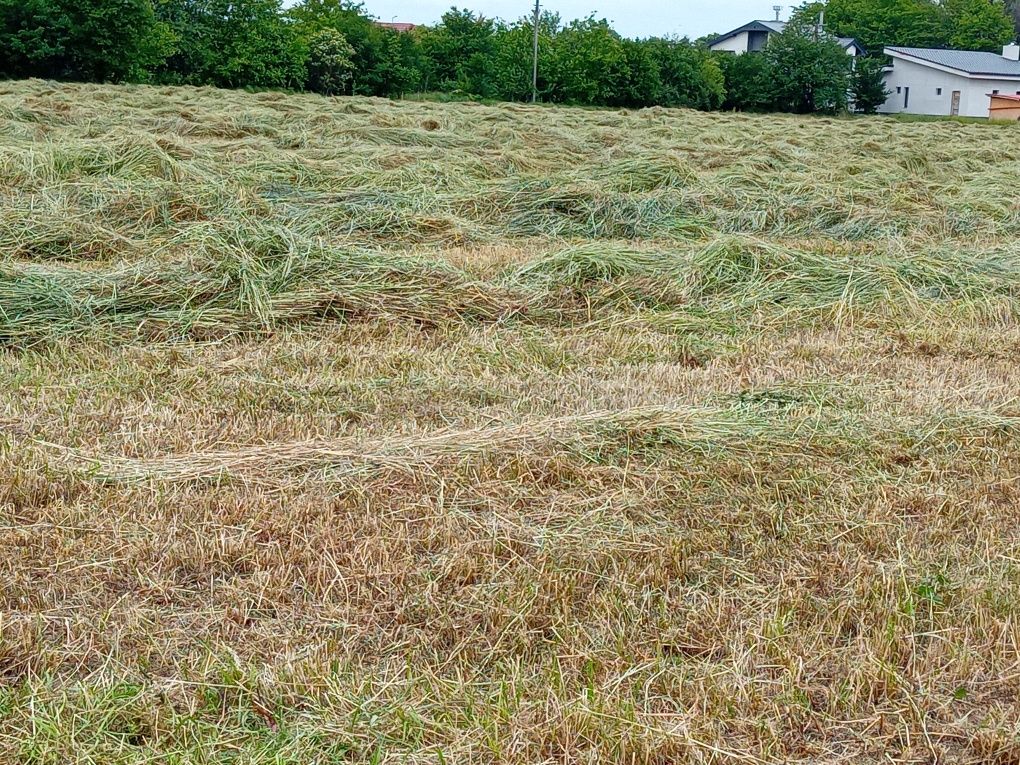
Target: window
995, 92
938, 91
899, 89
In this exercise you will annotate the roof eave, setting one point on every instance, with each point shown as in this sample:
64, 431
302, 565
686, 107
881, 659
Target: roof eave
950, 69
752, 26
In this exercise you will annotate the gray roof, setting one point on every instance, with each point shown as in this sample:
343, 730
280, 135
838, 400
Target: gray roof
762, 25
968, 61
752, 26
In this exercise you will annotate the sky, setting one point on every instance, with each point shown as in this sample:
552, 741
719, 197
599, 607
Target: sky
631, 18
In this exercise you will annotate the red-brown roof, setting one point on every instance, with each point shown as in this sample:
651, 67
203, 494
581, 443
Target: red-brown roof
399, 26
1006, 96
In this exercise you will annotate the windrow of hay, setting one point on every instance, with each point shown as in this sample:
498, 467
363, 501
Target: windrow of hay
253, 280
696, 428
747, 428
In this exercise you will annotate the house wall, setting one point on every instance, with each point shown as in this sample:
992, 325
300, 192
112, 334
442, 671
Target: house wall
735, 44
924, 82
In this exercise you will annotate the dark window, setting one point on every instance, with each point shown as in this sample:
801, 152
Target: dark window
995, 92
938, 91
756, 41
899, 89
906, 96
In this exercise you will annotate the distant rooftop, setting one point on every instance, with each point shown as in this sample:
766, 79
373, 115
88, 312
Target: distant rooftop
969, 61
399, 26
764, 25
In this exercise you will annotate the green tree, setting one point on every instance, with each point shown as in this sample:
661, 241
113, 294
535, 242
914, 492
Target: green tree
965, 24
459, 53
689, 76
380, 68
91, 40
977, 24
867, 85
877, 23
397, 63
588, 63
233, 44
512, 57
748, 81
330, 63
807, 74
640, 84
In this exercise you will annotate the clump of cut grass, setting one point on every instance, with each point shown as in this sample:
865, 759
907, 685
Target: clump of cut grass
649, 173
694, 428
580, 267
746, 272
253, 281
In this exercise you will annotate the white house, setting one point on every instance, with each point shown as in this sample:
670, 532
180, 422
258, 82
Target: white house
949, 82
752, 37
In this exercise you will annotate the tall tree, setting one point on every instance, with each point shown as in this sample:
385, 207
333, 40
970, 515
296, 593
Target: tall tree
512, 57
330, 63
867, 84
977, 24
233, 44
690, 76
588, 63
640, 83
460, 50
348, 17
748, 81
966, 24
808, 74
92, 40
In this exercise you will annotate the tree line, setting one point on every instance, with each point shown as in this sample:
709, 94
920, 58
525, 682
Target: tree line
335, 47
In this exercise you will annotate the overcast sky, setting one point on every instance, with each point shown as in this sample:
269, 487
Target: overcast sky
631, 18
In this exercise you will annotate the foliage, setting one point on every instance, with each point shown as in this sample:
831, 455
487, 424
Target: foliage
330, 63
512, 57
386, 63
589, 63
640, 82
807, 74
91, 40
966, 24
458, 52
232, 44
867, 85
977, 24
748, 80
689, 76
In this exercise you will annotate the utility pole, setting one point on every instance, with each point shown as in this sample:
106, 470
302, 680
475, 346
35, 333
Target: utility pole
534, 57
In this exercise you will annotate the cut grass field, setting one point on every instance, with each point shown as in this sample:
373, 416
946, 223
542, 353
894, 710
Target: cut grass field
342, 430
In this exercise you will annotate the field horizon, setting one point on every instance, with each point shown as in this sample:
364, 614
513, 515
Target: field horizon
350, 430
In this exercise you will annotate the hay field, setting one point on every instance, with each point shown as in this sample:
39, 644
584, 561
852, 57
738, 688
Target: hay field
354, 431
